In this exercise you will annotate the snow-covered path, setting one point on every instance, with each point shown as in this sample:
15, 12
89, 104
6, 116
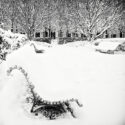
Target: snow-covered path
63, 72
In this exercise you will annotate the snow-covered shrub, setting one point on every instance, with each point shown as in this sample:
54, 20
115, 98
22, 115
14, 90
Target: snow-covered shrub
4, 47
121, 47
12, 41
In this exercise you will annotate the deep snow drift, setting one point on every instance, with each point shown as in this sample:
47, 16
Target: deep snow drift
63, 72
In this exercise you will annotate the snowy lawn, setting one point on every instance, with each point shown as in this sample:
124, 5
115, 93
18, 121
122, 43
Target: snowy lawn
64, 72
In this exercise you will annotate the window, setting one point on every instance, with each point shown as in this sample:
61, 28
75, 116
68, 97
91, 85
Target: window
83, 35
76, 34
121, 35
1, 40
73, 35
46, 34
37, 34
12, 30
53, 35
113, 35
69, 35
22, 33
106, 35
16, 30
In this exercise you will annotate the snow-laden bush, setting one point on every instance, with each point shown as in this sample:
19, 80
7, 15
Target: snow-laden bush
12, 40
121, 47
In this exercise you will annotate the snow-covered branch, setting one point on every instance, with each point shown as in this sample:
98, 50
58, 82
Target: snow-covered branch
95, 17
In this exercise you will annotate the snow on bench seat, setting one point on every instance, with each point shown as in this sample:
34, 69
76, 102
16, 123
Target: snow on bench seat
107, 45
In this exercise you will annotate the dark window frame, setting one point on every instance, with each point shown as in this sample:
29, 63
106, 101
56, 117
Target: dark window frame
37, 34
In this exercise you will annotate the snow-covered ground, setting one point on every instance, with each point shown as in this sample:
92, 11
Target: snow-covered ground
64, 72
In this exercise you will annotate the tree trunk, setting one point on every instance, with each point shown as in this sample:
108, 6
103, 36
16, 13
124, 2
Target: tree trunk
89, 37
12, 26
30, 33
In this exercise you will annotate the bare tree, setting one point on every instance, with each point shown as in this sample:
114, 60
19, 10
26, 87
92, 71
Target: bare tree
60, 13
30, 15
63, 16
122, 23
50, 15
8, 12
3, 11
12, 13
94, 17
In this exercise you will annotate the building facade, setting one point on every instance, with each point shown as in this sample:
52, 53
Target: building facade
55, 33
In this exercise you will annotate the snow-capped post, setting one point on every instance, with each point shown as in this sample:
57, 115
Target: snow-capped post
94, 17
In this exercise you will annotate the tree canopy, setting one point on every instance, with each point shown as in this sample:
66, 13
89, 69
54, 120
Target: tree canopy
90, 17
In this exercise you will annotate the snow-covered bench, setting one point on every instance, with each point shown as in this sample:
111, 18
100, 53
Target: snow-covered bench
109, 46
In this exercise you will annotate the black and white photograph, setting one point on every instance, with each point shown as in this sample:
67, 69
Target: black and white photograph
62, 62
